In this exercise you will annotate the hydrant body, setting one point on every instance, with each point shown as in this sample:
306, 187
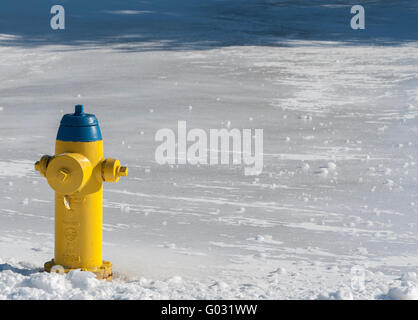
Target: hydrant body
76, 172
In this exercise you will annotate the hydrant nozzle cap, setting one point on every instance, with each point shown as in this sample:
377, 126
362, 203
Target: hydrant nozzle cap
112, 170
68, 173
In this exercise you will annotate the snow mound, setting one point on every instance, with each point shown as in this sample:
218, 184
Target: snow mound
409, 292
408, 289
409, 276
341, 294
21, 283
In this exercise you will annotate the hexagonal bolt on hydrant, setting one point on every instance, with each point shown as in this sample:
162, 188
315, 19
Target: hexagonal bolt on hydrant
76, 173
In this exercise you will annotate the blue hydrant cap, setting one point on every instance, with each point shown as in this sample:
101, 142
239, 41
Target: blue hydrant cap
79, 127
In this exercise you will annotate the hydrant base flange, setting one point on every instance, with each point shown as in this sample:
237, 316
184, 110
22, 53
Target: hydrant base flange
104, 272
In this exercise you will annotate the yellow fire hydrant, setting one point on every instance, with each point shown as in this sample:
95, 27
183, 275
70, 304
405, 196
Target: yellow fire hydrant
76, 173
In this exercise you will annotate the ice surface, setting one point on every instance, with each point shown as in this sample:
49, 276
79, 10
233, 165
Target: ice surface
339, 185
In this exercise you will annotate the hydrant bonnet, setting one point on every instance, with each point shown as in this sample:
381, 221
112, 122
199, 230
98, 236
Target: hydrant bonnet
79, 127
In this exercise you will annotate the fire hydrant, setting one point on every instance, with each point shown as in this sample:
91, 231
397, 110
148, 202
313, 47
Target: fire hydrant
76, 173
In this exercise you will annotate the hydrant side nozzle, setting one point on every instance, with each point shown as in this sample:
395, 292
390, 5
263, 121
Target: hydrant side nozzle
112, 170
42, 164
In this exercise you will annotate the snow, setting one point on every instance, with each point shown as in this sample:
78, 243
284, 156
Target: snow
404, 293
339, 183
342, 294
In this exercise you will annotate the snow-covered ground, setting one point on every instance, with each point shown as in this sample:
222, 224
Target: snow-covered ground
337, 199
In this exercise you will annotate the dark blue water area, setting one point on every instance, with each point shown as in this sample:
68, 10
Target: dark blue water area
205, 24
